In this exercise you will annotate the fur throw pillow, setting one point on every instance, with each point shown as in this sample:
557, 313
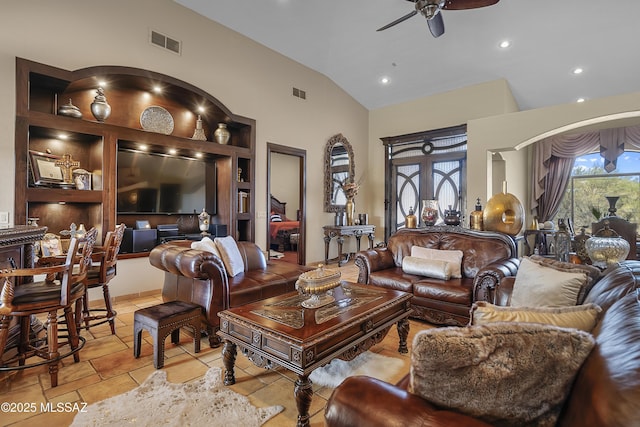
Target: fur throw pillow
507, 374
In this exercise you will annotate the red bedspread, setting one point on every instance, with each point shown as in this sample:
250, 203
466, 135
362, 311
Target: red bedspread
275, 227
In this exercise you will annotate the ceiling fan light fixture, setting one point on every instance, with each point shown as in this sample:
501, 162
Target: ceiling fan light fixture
429, 8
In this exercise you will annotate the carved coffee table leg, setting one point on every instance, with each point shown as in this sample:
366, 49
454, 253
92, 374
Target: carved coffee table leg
303, 393
403, 333
229, 353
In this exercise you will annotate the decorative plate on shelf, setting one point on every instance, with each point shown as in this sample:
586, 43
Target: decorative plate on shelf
157, 119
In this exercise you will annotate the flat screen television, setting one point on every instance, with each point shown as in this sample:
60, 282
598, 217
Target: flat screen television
151, 183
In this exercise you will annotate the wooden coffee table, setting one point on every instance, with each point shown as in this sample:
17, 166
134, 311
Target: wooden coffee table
279, 332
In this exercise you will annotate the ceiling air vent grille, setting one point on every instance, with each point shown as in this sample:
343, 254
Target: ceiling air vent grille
299, 93
165, 42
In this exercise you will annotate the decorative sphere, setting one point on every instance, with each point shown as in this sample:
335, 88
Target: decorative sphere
503, 213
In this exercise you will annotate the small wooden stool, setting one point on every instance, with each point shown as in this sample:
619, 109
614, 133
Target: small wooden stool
164, 319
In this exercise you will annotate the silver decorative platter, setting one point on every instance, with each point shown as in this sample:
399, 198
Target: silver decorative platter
156, 119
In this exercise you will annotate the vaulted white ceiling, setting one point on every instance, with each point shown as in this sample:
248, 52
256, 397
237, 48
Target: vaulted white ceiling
549, 39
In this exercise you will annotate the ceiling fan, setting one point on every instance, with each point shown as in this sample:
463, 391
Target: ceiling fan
431, 9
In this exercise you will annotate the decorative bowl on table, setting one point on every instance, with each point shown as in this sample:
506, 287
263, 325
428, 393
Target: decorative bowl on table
318, 284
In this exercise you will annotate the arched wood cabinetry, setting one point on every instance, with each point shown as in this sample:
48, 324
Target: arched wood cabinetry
43, 135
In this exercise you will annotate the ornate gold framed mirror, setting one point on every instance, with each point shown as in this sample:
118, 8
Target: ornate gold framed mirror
339, 168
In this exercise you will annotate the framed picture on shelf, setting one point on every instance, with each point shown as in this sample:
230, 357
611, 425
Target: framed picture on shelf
44, 169
51, 245
82, 179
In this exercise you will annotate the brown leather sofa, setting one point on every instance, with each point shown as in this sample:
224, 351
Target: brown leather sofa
200, 277
487, 257
605, 393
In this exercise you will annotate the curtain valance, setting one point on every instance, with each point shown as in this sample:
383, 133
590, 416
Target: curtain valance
611, 143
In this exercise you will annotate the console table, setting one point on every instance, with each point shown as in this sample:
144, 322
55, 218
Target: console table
339, 232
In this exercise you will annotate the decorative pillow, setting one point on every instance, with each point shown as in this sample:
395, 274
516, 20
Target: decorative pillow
507, 374
452, 257
426, 267
207, 245
276, 218
583, 317
537, 285
593, 273
230, 255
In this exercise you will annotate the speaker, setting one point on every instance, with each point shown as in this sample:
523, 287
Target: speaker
218, 230
138, 240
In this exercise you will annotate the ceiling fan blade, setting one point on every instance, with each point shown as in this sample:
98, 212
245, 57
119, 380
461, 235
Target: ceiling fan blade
399, 20
436, 25
467, 4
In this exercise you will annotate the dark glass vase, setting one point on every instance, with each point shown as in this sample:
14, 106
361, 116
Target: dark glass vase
612, 204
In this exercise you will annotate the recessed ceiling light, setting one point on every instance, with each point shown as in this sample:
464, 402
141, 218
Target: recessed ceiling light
157, 89
577, 70
384, 80
172, 151
143, 147
505, 44
580, 100
199, 155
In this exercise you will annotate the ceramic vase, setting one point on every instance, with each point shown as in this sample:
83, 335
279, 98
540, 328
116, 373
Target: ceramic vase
222, 134
350, 209
70, 110
99, 107
612, 204
429, 212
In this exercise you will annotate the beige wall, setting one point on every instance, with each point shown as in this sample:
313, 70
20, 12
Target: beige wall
249, 79
506, 132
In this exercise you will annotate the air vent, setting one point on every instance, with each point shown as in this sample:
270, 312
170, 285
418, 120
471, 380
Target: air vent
299, 93
165, 42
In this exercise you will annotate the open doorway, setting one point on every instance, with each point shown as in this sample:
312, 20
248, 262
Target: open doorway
286, 203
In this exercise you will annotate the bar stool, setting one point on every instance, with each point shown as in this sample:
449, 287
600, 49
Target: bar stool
59, 290
102, 270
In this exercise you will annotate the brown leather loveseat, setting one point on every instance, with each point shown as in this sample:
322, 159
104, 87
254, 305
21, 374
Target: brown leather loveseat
605, 392
200, 277
487, 257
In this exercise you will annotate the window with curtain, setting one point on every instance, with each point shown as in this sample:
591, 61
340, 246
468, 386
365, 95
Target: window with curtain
584, 200
553, 162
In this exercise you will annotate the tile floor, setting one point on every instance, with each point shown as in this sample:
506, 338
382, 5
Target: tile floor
108, 368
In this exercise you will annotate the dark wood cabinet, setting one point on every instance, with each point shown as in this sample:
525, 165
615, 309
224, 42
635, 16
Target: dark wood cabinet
44, 136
